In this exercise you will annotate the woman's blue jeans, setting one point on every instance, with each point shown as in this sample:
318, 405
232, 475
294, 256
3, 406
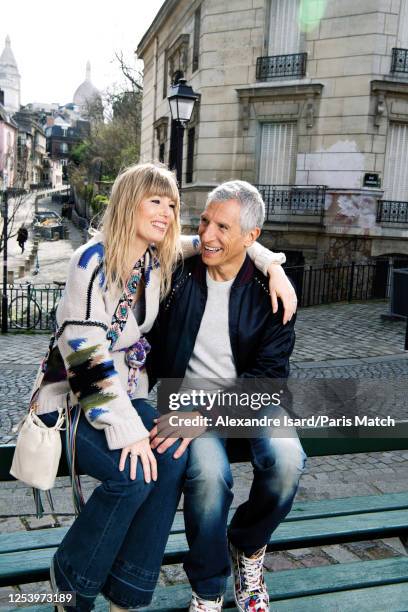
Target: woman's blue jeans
116, 544
277, 467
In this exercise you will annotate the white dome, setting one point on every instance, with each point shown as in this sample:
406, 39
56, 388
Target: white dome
86, 93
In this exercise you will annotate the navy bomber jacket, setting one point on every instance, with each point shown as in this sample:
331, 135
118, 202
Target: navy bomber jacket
261, 344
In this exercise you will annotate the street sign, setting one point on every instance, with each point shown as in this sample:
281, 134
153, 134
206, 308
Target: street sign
372, 179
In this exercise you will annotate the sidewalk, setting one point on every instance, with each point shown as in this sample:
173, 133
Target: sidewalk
53, 256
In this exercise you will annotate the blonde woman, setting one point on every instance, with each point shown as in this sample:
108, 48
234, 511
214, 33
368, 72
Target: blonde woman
111, 300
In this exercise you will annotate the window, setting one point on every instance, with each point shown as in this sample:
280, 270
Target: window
402, 40
174, 135
165, 73
396, 163
162, 148
284, 30
175, 79
176, 60
196, 39
64, 147
190, 155
278, 154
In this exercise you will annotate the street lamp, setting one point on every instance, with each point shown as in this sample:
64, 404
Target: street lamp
181, 100
4, 301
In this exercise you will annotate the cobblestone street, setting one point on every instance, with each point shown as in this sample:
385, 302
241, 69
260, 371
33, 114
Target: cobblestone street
341, 341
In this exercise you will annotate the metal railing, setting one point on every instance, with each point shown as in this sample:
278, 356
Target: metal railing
392, 211
341, 283
299, 200
276, 66
399, 60
33, 307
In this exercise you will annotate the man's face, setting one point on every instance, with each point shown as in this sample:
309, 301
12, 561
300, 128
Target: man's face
222, 241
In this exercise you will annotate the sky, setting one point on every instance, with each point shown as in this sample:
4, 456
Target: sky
52, 42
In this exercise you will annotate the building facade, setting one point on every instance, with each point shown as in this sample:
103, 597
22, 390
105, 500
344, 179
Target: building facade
31, 149
8, 147
307, 100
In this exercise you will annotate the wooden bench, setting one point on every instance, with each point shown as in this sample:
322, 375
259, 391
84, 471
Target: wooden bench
376, 585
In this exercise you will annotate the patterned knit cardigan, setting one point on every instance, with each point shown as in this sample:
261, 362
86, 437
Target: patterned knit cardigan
97, 374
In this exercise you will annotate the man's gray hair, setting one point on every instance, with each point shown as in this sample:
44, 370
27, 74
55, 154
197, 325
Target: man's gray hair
249, 198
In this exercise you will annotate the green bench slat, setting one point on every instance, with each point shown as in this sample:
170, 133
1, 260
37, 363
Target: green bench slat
366, 585
31, 540
295, 534
25, 566
318, 532
39, 608
45, 538
290, 585
391, 598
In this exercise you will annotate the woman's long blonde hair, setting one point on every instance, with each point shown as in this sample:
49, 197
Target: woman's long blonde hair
133, 185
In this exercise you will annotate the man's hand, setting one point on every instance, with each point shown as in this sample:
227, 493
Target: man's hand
163, 435
280, 287
140, 449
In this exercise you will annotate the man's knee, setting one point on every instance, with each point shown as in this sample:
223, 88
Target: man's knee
208, 473
166, 461
282, 465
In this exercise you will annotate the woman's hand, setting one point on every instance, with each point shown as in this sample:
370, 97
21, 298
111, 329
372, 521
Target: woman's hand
280, 287
140, 449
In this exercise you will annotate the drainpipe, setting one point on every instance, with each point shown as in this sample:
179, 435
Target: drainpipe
155, 69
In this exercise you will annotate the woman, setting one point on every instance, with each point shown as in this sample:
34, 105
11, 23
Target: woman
109, 303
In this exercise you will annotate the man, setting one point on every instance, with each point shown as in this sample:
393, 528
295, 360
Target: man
22, 236
217, 323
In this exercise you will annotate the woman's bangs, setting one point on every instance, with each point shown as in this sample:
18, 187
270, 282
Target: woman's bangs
164, 186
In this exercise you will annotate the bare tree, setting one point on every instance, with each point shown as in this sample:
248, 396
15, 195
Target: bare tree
134, 76
18, 212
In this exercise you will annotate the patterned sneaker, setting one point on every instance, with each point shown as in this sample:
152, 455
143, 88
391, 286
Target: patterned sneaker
250, 591
204, 605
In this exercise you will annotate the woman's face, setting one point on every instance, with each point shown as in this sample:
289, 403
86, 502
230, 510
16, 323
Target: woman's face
154, 217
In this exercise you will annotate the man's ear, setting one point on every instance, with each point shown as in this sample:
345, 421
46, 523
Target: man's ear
251, 236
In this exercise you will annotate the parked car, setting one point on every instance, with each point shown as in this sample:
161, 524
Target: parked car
47, 215
48, 225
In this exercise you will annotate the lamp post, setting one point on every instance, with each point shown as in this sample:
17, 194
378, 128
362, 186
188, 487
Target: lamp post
181, 100
4, 301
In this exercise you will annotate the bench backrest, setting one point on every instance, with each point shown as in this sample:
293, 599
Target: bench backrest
316, 442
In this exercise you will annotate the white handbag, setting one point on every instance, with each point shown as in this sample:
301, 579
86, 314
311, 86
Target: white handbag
38, 451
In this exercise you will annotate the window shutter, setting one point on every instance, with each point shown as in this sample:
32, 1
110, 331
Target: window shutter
284, 30
402, 41
396, 163
278, 154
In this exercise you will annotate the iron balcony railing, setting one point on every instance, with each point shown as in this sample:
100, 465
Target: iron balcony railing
392, 211
276, 66
306, 200
399, 60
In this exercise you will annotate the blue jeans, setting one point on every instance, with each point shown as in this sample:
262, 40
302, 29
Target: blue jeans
277, 467
116, 544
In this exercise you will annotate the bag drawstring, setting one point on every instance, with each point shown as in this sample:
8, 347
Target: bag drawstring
71, 427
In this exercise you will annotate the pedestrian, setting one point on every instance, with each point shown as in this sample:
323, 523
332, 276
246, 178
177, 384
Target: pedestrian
114, 285
22, 236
